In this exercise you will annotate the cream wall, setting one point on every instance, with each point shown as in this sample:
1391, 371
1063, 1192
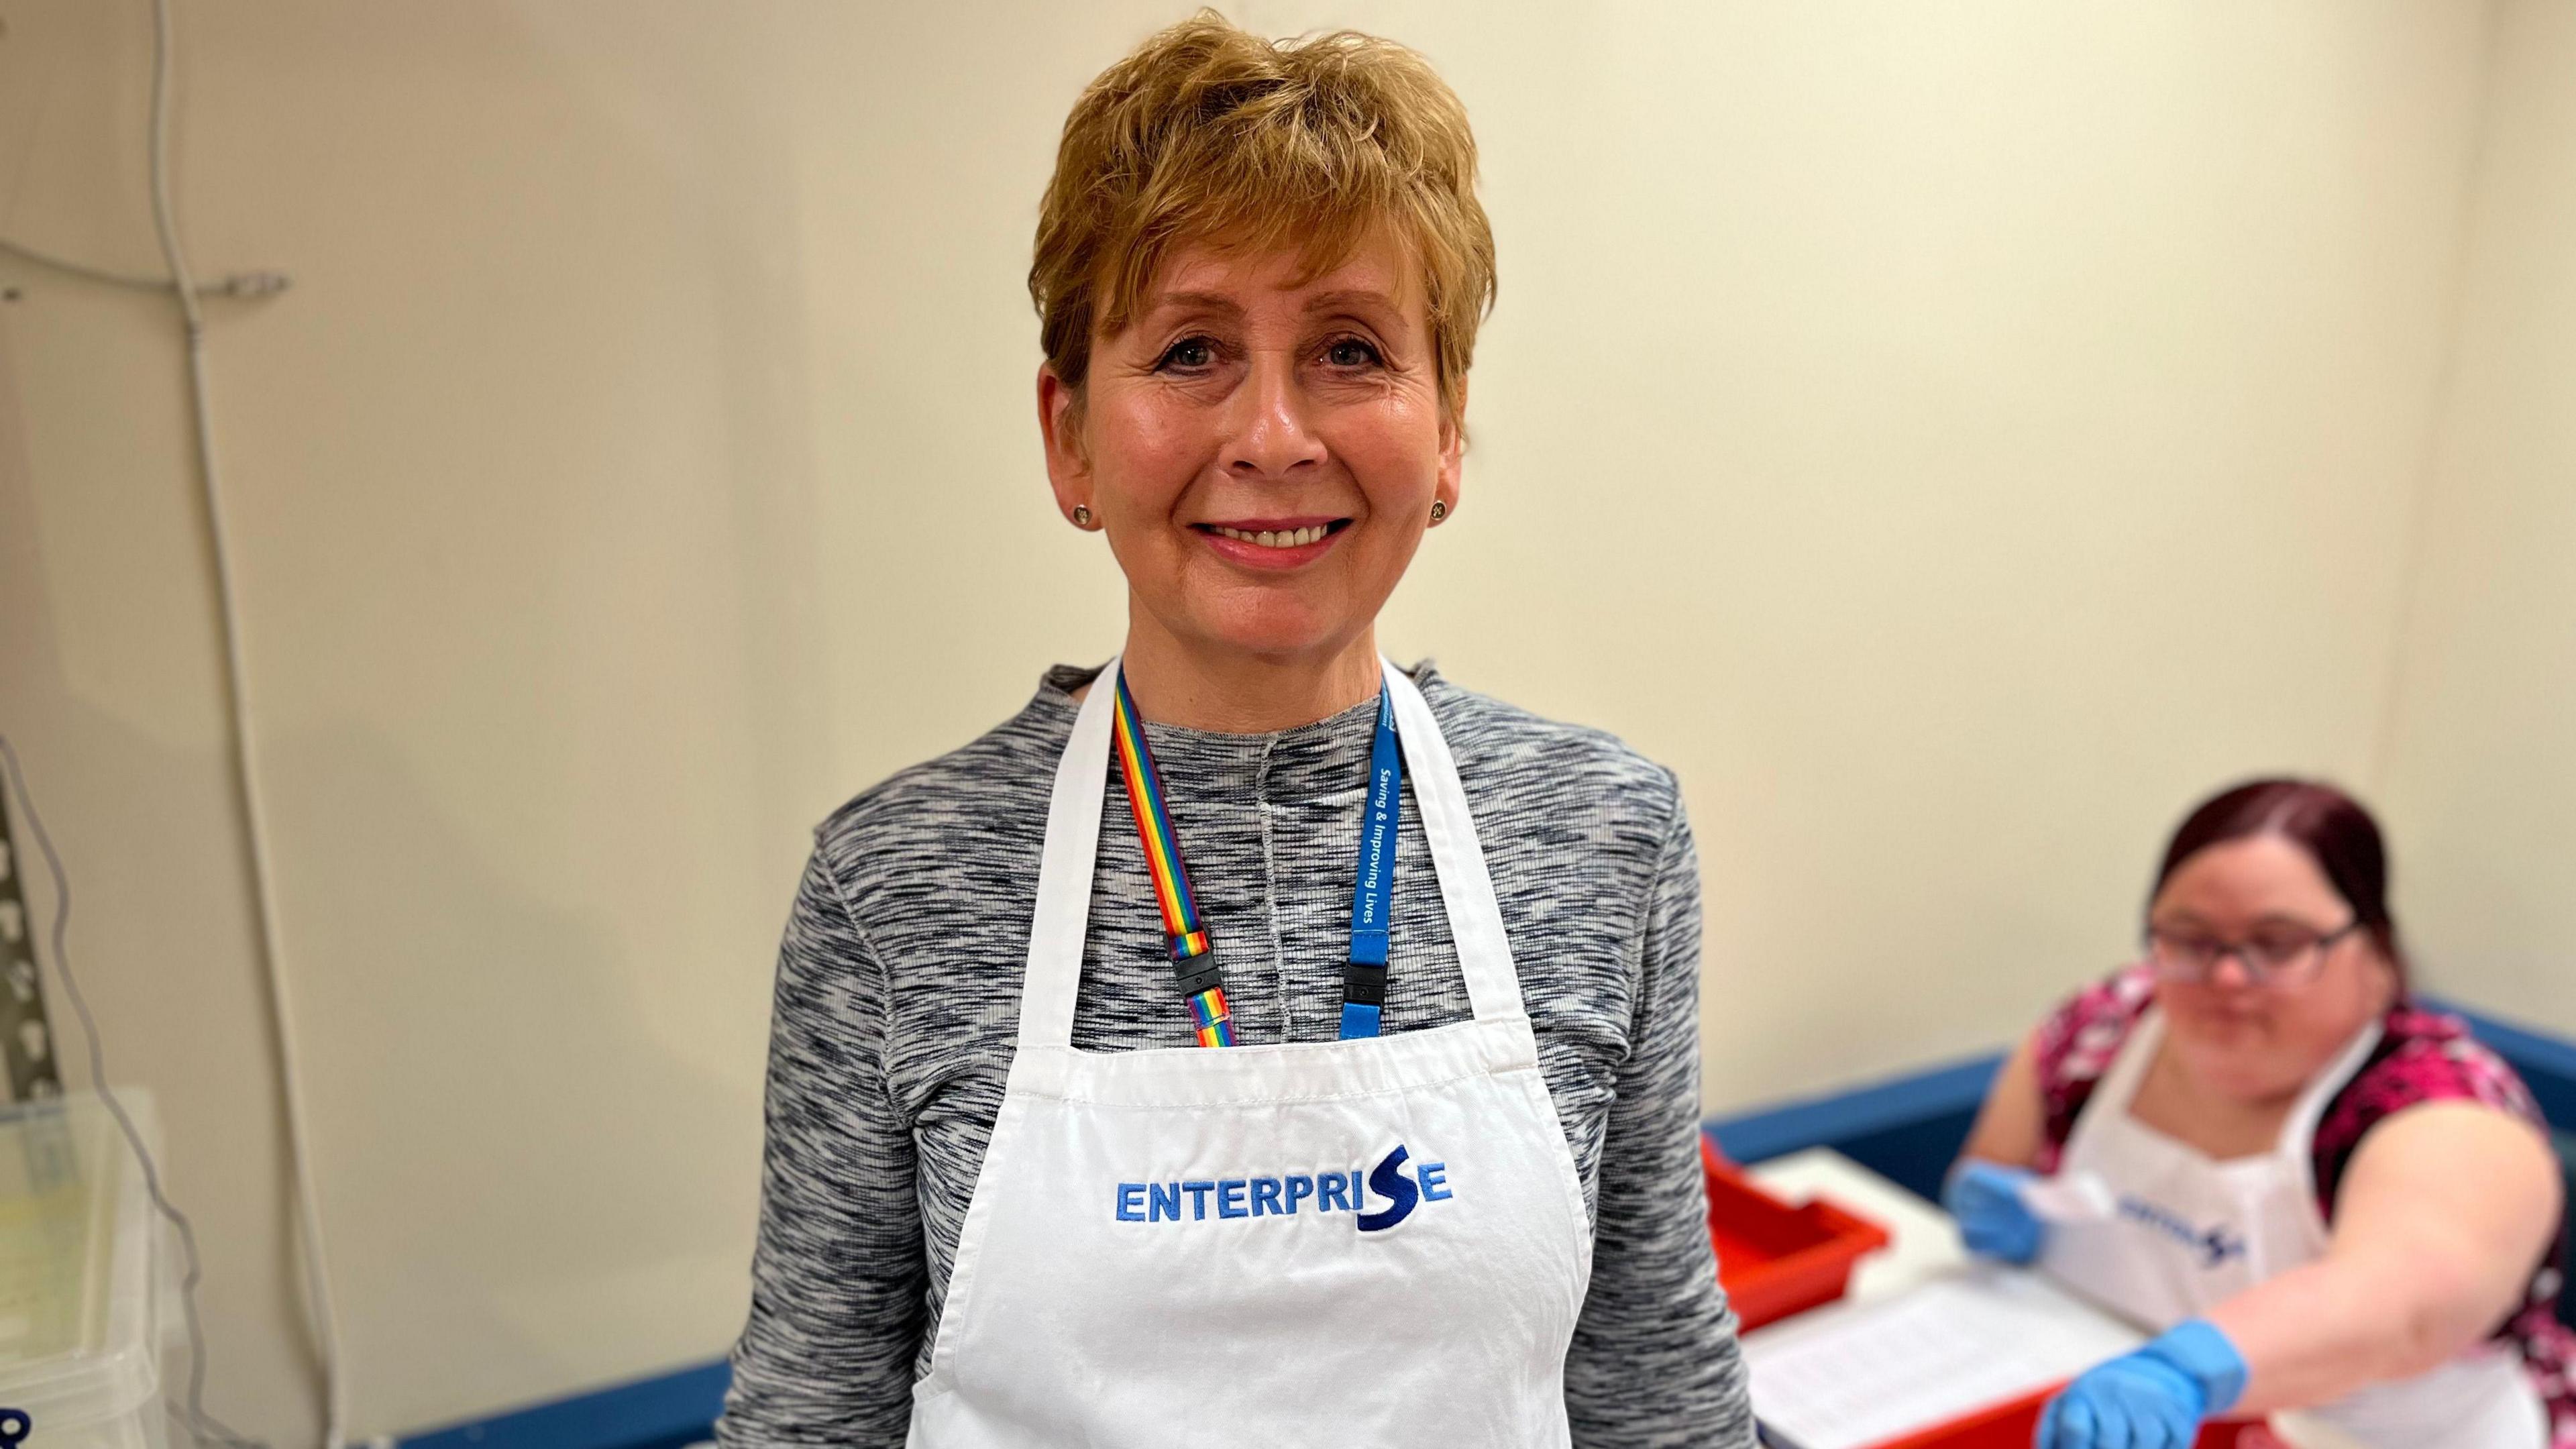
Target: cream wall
1950, 440
2481, 773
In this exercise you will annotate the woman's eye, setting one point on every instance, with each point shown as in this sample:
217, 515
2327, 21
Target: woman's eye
2188, 947
1350, 352
1189, 354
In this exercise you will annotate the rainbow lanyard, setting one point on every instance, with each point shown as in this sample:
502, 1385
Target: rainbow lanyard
1194, 959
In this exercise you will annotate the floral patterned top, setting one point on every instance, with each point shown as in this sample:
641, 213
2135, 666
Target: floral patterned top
2422, 1056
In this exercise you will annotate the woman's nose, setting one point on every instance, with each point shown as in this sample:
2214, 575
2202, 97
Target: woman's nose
1270, 433
2229, 972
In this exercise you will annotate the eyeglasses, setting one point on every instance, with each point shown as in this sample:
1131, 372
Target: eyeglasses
2274, 956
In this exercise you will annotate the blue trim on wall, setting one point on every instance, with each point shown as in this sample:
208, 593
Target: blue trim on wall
662, 1412
1906, 1128
1858, 1112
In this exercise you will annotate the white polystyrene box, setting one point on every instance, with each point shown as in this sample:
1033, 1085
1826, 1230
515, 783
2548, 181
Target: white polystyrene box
81, 1299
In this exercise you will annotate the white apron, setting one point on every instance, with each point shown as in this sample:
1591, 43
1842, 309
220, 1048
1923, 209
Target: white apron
1375, 1241
2191, 1232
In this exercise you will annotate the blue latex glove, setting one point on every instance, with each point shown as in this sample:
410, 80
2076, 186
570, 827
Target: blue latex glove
2154, 1398
1986, 1199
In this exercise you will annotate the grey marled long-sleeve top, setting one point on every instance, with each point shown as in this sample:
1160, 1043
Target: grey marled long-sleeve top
898, 1002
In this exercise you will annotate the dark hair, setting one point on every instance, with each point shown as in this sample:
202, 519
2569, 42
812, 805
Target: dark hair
2331, 826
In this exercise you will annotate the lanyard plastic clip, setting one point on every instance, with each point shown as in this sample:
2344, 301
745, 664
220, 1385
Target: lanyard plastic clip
1363, 996
1198, 973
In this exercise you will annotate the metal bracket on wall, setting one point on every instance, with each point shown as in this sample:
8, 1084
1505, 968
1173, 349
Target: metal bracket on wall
26, 1035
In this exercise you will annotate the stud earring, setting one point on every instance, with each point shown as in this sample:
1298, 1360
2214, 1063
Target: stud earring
1439, 510
1082, 515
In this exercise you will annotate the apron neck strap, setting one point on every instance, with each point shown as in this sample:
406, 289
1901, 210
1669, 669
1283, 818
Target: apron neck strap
1457, 857
1066, 870
2129, 1065
2299, 1133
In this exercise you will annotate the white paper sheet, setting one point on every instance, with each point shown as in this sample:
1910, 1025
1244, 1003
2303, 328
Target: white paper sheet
2070, 1197
1853, 1375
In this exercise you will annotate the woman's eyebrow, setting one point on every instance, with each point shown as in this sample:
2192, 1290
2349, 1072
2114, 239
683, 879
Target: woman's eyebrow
1196, 302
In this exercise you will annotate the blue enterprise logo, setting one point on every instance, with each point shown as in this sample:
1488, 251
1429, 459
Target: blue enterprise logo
2213, 1245
1376, 1201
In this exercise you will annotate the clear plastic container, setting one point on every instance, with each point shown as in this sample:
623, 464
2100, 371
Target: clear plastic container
80, 1294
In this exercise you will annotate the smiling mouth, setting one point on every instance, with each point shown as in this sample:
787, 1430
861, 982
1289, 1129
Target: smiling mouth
1277, 537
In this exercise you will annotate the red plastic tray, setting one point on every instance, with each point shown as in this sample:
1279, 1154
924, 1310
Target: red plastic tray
1775, 1259
2012, 1426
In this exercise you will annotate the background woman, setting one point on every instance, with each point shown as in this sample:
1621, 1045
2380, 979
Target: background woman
1248, 1041
2334, 1199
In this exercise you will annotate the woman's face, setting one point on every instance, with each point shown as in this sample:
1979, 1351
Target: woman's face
1262, 450
2258, 1043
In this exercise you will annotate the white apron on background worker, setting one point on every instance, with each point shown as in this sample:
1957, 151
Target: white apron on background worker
2192, 1232
1376, 1240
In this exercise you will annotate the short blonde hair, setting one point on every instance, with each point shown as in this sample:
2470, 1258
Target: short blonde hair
1209, 134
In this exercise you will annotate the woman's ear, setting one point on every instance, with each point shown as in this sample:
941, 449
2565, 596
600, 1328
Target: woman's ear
1453, 452
2387, 983
1060, 425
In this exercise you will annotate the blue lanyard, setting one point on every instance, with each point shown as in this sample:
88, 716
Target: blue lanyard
1373, 893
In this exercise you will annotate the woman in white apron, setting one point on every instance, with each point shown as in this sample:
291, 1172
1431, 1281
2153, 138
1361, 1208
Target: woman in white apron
1249, 1042
2326, 1198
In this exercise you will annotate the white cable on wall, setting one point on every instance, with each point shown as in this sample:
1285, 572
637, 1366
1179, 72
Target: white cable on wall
239, 284
317, 1278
